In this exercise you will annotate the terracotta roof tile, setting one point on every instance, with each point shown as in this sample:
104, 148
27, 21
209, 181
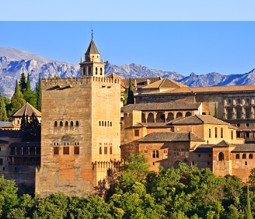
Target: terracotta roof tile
165, 83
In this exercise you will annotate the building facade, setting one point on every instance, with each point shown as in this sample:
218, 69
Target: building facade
80, 129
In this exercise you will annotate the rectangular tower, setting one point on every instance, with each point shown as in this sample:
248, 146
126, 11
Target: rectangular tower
80, 134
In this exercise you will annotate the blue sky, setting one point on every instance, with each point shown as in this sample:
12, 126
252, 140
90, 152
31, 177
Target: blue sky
184, 47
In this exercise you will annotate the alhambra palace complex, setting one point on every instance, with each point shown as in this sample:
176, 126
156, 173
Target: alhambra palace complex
86, 132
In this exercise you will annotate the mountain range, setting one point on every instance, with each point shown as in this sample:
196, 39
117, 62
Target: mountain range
14, 61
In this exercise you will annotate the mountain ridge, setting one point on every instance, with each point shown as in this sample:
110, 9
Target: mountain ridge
14, 61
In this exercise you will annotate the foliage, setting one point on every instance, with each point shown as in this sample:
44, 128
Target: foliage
31, 129
29, 94
17, 100
130, 98
3, 113
39, 95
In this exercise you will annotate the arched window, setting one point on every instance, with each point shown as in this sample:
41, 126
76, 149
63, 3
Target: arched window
71, 123
238, 112
179, 114
55, 123
188, 114
244, 156
221, 156
160, 118
110, 123
143, 118
250, 156
101, 71
105, 123
100, 150
77, 123
237, 156
66, 124
96, 70
170, 117
61, 123
150, 118
210, 133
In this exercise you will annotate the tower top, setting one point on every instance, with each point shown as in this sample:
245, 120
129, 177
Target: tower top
92, 49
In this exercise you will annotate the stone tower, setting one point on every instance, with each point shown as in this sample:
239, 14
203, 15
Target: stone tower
92, 66
80, 130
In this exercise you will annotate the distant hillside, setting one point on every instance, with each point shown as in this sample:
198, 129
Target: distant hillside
14, 61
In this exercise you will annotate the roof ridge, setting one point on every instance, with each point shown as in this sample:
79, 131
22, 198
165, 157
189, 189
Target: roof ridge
163, 80
198, 116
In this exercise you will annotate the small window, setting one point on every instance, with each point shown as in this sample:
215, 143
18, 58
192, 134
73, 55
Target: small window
1, 161
247, 134
110, 150
77, 123
76, 150
244, 156
136, 132
221, 133
99, 123
155, 154
210, 133
65, 150
100, 150
221, 156
110, 123
55, 123
56, 151
232, 135
216, 134
105, 150
245, 163
61, 123
237, 156
101, 71
198, 155
250, 156
66, 124
71, 123
105, 124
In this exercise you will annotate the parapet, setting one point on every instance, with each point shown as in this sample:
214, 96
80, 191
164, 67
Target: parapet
61, 83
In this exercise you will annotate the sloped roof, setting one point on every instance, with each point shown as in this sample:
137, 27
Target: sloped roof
171, 136
198, 119
11, 133
27, 109
140, 82
92, 49
244, 148
223, 143
177, 105
204, 148
164, 83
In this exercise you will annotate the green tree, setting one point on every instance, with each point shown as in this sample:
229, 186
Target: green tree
248, 213
130, 98
22, 83
29, 94
39, 95
8, 196
17, 100
3, 113
215, 111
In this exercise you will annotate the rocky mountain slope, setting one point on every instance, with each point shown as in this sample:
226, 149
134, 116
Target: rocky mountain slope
13, 62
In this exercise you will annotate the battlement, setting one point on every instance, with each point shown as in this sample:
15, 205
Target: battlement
73, 82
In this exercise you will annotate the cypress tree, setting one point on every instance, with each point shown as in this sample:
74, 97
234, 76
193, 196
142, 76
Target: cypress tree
130, 99
23, 82
29, 94
248, 205
39, 95
3, 113
17, 100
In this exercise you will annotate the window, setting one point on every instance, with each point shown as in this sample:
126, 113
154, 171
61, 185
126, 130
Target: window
65, 150
237, 156
76, 150
245, 163
101, 71
229, 101
61, 123
104, 123
96, 70
229, 113
136, 132
247, 113
66, 124
221, 156
238, 134
238, 112
1, 161
210, 133
221, 133
216, 134
56, 151
105, 150
247, 134
100, 150
232, 135
110, 123
155, 154
71, 123
244, 156
250, 156
77, 123
110, 150
55, 123
99, 123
